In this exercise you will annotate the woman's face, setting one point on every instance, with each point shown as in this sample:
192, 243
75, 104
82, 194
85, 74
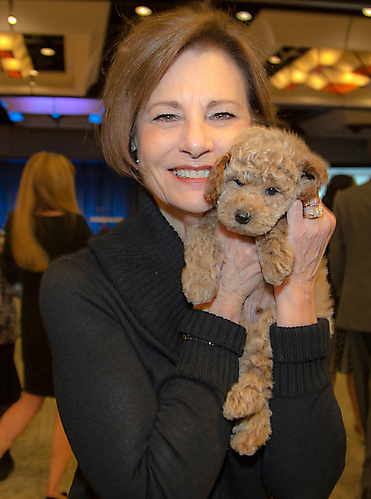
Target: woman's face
190, 120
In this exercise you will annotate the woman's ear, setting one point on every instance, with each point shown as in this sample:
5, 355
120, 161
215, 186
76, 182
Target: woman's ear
215, 179
134, 149
133, 144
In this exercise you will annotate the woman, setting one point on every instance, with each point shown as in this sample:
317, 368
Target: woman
46, 223
141, 376
336, 184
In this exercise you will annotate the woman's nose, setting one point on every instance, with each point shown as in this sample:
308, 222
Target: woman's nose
196, 139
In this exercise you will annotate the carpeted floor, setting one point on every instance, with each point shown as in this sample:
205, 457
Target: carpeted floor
348, 486
32, 450
31, 454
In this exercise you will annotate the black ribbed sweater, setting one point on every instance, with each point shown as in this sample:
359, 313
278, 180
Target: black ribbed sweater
143, 409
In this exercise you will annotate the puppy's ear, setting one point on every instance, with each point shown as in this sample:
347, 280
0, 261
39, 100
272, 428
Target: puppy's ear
214, 181
313, 170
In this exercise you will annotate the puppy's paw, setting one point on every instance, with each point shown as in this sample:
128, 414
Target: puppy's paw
199, 288
276, 255
276, 271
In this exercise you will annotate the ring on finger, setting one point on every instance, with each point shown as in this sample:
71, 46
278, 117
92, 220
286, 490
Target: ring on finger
313, 209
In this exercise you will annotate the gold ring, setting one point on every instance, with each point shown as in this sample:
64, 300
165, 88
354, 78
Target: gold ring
313, 209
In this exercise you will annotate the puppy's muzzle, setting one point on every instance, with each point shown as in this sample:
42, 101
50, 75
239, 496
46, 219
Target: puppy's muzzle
242, 217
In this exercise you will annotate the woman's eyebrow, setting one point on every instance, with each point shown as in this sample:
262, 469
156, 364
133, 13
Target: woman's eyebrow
171, 104
216, 103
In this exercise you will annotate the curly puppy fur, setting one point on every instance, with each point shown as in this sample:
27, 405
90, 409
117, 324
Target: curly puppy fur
253, 186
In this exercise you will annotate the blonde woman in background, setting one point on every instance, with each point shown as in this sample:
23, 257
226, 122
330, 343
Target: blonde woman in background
46, 223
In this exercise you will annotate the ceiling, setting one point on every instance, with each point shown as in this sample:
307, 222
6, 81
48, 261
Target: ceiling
84, 32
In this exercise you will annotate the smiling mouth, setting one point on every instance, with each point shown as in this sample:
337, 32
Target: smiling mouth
185, 173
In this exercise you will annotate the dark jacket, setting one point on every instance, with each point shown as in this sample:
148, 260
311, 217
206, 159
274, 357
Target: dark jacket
350, 261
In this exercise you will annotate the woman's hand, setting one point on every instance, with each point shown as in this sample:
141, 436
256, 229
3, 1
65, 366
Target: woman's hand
309, 239
240, 275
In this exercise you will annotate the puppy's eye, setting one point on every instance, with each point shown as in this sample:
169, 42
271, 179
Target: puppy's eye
308, 176
238, 182
271, 191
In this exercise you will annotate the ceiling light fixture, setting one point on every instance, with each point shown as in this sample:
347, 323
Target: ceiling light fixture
96, 119
326, 69
14, 57
47, 51
12, 20
274, 59
15, 116
318, 58
64, 106
143, 11
6, 43
243, 15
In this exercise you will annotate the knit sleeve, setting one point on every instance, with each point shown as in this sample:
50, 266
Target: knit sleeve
299, 356
210, 349
305, 455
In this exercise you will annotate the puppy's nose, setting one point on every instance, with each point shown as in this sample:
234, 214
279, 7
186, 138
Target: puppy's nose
242, 217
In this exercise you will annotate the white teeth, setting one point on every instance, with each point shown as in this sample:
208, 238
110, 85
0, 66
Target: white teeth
192, 173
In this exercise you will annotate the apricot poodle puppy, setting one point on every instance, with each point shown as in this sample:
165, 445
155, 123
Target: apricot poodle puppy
253, 186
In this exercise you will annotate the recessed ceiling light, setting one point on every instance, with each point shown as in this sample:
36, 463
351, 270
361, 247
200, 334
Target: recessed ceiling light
12, 20
366, 12
243, 15
47, 51
274, 59
143, 11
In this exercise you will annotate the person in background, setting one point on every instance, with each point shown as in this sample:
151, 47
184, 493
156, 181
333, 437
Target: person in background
350, 269
339, 357
45, 224
10, 387
336, 183
141, 376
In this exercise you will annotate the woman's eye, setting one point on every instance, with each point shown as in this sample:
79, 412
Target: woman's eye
238, 182
166, 117
271, 191
223, 116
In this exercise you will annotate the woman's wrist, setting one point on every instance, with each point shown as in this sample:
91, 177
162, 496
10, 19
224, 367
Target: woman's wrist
224, 306
295, 304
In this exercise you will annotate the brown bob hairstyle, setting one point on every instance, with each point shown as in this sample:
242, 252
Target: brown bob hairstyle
147, 52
